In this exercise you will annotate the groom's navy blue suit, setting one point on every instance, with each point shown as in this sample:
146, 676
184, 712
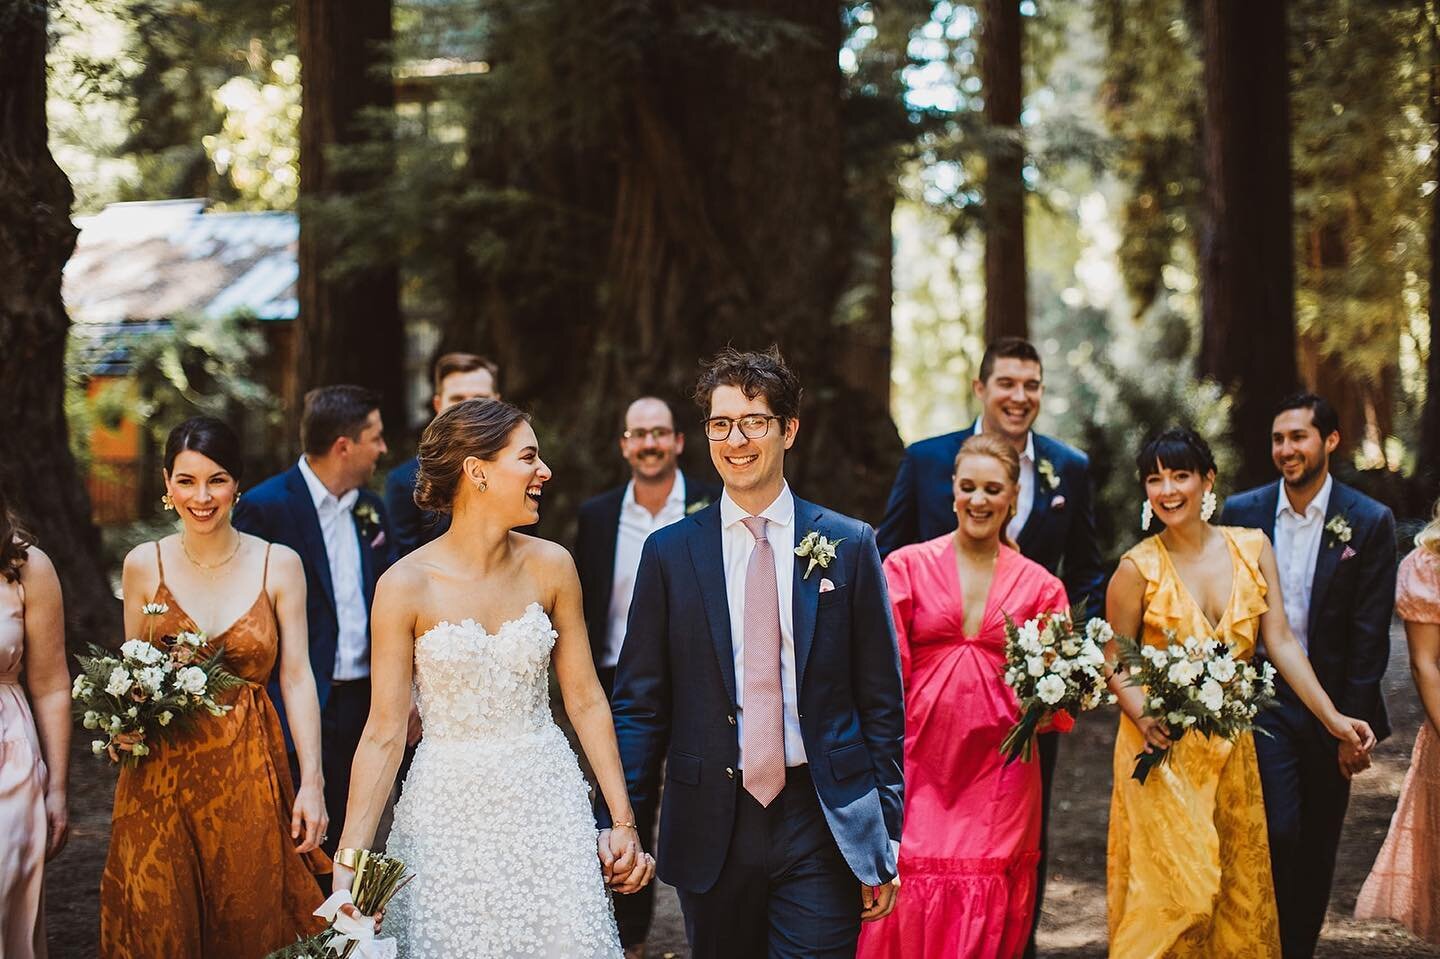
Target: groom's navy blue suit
1352, 598
675, 700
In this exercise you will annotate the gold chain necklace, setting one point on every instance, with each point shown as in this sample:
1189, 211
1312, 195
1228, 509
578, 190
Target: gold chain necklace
239, 541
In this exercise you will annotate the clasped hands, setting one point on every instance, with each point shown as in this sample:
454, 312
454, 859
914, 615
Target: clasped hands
1356, 740
627, 868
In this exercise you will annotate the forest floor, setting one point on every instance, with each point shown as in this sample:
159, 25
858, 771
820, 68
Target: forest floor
1073, 925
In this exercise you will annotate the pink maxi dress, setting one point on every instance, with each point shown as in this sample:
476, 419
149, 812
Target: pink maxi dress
1404, 883
971, 838
22, 793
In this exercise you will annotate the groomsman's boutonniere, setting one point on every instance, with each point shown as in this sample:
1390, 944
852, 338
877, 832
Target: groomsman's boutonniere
819, 550
1047, 472
697, 506
370, 526
1339, 530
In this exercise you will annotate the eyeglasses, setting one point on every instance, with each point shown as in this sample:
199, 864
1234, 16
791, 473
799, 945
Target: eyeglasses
654, 433
753, 426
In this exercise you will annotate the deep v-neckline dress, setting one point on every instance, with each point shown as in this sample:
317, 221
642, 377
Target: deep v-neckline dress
201, 861
1188, 870
971, 838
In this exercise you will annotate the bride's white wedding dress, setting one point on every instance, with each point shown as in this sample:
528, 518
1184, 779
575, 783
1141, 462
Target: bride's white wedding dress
495, 816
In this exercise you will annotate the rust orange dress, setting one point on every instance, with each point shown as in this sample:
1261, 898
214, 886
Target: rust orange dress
201, 861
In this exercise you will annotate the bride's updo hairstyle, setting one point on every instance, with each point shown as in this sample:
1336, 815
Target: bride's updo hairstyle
1178, 448
479, 428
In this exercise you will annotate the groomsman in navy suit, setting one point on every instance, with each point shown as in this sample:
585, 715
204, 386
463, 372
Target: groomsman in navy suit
1335, 549
320, 508
457, 377
768, 684
613, 528
1054, 522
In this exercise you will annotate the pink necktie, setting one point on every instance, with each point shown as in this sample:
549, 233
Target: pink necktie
763, 739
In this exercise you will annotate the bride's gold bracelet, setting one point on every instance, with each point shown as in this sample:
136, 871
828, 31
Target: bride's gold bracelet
624, 825
348, 858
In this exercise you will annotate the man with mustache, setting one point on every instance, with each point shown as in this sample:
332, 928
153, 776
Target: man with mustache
1335, 549
613, 527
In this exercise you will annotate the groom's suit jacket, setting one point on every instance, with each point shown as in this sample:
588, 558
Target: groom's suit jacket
1059, 534
281, 510
675, 698
1352, 596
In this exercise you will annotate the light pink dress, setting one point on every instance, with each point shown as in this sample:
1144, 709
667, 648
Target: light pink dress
22, 793
1404, 883
971, 839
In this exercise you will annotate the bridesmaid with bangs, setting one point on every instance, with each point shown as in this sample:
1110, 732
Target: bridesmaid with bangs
211, 852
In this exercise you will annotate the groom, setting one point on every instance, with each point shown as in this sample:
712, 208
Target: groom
770, 683
1335, 549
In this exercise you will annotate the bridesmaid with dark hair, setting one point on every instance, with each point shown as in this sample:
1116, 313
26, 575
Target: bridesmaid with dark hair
34, 747
211, 853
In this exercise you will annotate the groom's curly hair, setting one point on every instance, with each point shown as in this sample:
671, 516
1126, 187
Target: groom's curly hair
754, 374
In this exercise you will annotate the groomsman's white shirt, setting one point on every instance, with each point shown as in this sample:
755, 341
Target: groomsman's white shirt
636, 524
342, 549
1297, 546
737, 544
1026, 498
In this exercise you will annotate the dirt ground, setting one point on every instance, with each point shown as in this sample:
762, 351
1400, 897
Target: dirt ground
1073, 926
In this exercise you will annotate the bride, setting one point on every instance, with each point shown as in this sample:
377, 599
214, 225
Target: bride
495, 820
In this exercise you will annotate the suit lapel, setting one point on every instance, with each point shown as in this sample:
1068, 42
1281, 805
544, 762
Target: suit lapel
1329, 559
367, 561
1039, 501
708, 558
804, 592
1269, 501
307, 524
607, 547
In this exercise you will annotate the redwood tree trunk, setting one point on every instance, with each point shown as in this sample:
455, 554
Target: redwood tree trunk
1006, 307
349, 330
36, 238
1246, 256
1429, 472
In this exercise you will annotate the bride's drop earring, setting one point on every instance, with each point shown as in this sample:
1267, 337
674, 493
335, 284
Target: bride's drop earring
1208, 502
1147, 513
481, 485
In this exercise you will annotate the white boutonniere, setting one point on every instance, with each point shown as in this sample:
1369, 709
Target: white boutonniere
697, 506
1046, 469
370, 526
819, 550
1339, 530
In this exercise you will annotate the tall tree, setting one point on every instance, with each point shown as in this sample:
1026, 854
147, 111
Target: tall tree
349, 330
1006, 302
1430, 418
36, 238
1246, 251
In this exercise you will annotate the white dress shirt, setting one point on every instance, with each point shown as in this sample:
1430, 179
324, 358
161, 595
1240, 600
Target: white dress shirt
1025, 500
1297, 547
636, 524
737, 544
342, 549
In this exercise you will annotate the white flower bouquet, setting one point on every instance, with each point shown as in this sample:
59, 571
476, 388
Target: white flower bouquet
1056, 671
1196, 685
148, 690
378, 878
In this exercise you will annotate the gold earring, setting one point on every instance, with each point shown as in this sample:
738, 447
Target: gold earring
167, 502
482, 486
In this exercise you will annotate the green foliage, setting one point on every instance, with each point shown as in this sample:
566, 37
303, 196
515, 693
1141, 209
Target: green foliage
258, 146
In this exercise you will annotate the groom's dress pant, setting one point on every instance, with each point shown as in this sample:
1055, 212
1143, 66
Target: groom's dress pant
634, 912
342, 722
1048, 746
1305, 802
785, 891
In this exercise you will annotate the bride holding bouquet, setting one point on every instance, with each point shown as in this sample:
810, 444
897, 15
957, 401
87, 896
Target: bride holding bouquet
1188, 871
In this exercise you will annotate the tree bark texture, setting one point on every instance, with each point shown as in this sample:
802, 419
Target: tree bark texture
36, 238
1429, 471
1246, 255
717, 215
349, 329
1006, 303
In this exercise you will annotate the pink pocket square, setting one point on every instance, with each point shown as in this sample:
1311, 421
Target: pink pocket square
378, 541
1346, 553
1058, 503
825, 585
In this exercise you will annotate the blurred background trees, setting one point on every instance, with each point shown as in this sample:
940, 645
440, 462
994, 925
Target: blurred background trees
599, 195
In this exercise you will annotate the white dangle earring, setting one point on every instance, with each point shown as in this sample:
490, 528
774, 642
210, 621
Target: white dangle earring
1147, 513
1208, 502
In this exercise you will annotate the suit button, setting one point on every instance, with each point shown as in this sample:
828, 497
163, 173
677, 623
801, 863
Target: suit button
731, 717
730, 772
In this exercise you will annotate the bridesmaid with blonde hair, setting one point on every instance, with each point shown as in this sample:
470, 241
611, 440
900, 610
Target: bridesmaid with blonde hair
34, 746
1404, 883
